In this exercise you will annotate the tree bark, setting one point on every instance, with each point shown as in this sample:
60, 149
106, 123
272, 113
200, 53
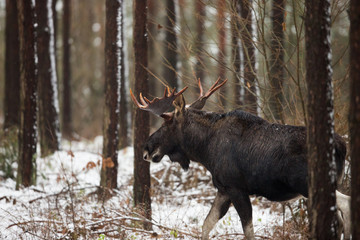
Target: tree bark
277, 60
170, 52
141, 123
12, 67
200, 15
47, 87
66, 94
246, 33
55, 22
221, 6
123, 139
235, 52
354, 116
320, 129
27, 135
109, 170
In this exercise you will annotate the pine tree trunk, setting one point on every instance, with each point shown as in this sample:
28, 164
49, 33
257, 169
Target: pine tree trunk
320, 129
12, 67
246, 33
354, 117
66, 94
123, 138
277, 60
221, 6
200, 58
47, 87
170, 52
235, 52
141, 123
27, 136
112, 94
55, 22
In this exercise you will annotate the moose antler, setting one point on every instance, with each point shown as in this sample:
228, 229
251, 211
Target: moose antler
157, 106
200, 102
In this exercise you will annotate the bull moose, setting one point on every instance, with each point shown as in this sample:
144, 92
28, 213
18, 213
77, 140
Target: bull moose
245, 154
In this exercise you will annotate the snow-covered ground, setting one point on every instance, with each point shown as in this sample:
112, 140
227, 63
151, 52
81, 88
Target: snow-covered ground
62, 205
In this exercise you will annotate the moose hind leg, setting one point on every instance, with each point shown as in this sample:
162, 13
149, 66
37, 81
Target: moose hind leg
242, 204
218, 210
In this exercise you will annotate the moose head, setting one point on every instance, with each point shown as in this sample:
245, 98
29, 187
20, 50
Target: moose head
164, 140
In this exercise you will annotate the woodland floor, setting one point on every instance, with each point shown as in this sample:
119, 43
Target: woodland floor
62, 205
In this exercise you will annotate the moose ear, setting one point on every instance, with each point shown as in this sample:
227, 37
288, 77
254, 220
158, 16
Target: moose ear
179, 104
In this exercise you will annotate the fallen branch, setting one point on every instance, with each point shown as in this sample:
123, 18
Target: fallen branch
239, 234
32, 221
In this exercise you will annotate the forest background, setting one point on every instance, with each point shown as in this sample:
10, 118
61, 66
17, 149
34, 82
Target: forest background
197, 39
87, 57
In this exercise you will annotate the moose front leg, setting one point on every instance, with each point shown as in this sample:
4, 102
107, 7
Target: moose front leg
218, 210
242, 204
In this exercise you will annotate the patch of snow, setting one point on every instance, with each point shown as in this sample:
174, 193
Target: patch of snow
180, 208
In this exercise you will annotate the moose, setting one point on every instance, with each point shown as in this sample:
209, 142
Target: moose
245, 154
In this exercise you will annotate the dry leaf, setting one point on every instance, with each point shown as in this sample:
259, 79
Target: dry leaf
70, 153
107, 163
90, 165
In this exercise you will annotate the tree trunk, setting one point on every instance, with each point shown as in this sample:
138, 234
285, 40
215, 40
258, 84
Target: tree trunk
277, 60
235, 52
123, 138
246, 33
47, 87
55, 22
354, 117
66, 94
170, 52
221, 6
200, 58
12, 67
28, 79
141, 123
320, 129
112, 94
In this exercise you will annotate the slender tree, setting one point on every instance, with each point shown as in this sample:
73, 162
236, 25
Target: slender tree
112, 93
221, 7
277, 60
123, 138
55, 22
12, 67
153, 66
200, 15
235, 51
246, 33
141, 123
320, 129
354, 117
54, 12
66, 91
47, 87
185, 69
27, 135
170, 52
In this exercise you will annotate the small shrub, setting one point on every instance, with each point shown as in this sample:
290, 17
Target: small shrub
8, 152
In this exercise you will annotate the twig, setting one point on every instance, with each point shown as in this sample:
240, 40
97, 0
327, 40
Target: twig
239, 234
32, 221
121, 217
48, 196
